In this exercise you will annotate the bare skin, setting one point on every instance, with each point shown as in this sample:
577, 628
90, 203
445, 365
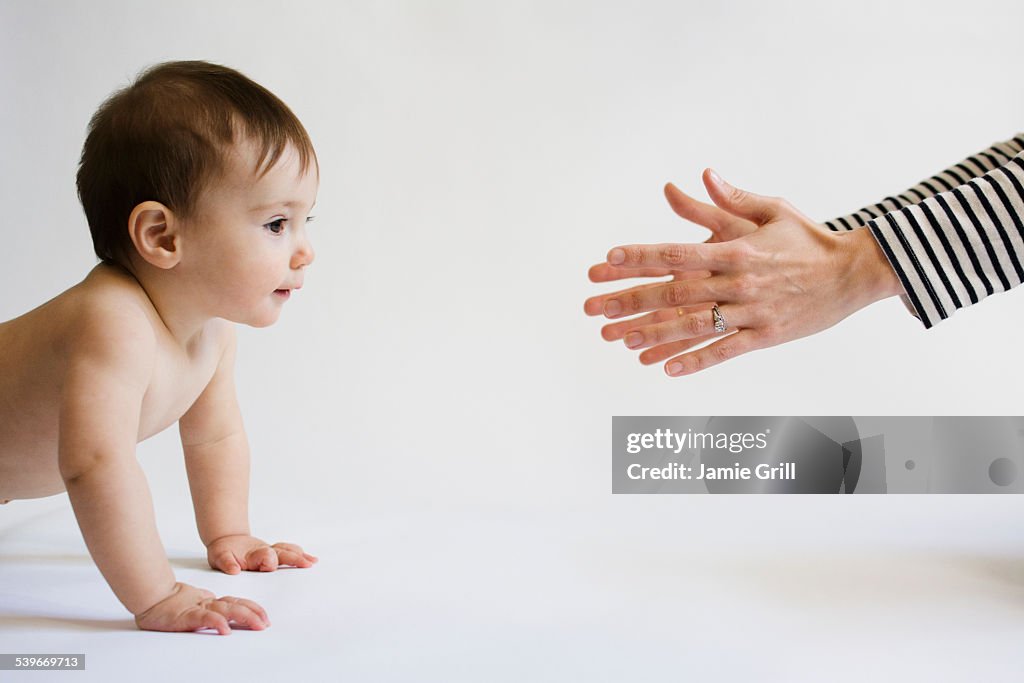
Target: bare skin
131, 350
777, 275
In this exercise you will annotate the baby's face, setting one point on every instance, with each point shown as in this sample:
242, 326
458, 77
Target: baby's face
249, 242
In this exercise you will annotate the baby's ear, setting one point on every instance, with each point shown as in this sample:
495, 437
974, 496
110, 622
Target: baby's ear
154, 231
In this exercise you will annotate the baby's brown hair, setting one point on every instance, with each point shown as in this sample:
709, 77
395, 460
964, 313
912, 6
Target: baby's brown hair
163, 137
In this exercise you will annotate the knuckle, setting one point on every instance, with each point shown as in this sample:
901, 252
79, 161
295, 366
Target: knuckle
636, 255
724, 351
694, 325
636, 302
675, 294
742, 252
653, 335
674, 254
744, 286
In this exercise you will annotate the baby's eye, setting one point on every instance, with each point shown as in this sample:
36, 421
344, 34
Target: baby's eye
276, 227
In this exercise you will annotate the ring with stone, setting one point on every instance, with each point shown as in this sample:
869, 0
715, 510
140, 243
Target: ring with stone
719, 319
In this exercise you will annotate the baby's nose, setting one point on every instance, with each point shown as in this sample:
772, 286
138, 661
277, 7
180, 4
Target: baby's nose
304, 255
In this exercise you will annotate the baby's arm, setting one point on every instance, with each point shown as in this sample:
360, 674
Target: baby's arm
217, 452
110, 360
217, 461
109, 365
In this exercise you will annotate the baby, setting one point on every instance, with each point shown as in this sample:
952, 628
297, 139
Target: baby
196, 185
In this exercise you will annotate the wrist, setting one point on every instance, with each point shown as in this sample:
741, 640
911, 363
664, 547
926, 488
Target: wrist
870, 271
142, 605
218, 537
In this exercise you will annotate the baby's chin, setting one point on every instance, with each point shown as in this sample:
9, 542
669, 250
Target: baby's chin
260, 320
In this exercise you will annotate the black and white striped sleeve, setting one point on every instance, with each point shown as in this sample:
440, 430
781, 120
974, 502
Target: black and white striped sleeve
956, 247
958, 174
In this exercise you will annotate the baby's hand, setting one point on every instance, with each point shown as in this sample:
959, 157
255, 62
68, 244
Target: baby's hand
189, 609
232, 554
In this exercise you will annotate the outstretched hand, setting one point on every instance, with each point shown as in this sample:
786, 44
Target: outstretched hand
724, 227
775, 274
234, 554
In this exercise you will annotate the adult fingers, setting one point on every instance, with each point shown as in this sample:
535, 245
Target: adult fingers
614, 331
658, 353
595, 304
605, 272
723, 224
754, 207
705, 256
731, 346
692, 325
668, 295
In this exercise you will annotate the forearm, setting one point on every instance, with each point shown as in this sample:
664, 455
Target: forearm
114, 509
218, 476
957, 174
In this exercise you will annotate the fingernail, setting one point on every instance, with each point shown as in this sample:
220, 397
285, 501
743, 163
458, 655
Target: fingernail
717, 178
612, 307
616, 256
634, 339
674, 368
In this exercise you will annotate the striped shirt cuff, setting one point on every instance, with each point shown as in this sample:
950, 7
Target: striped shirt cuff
956, 247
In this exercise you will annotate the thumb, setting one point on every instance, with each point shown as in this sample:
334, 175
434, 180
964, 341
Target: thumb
753, 207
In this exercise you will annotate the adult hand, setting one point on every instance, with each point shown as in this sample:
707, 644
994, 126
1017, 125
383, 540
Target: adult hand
786, 279
724, 227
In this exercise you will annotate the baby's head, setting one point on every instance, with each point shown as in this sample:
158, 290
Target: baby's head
195, 172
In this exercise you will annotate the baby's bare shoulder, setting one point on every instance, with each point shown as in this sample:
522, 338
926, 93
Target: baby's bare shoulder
110, 319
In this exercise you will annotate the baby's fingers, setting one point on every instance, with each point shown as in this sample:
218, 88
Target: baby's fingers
199, 618
262, 559
289, 553
239, 611
226, 562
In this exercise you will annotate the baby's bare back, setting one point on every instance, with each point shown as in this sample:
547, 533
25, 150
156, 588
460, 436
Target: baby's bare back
33, 363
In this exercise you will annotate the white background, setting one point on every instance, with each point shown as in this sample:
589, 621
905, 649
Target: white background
432, 413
